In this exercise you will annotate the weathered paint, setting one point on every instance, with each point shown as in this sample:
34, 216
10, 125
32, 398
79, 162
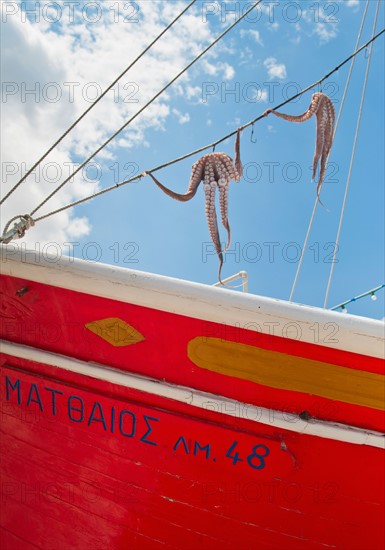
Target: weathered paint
98, 452
230, 309
98, 471
54, 319
115, 331
202, 400
286, 372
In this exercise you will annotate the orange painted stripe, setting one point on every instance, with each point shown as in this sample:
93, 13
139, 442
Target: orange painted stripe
288, 372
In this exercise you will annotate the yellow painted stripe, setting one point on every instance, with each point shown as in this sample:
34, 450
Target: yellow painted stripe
287, 372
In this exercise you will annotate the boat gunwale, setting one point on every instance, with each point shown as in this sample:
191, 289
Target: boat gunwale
196, 300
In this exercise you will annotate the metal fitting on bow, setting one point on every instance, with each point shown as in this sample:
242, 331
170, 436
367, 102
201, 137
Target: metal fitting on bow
18, 230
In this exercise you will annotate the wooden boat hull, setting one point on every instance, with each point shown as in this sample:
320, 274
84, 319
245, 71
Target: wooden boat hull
143, 412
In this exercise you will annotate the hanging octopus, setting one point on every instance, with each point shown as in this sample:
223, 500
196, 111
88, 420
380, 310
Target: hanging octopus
322, 106
216, 170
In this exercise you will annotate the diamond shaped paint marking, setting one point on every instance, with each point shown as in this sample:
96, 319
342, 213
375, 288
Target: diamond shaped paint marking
115, 331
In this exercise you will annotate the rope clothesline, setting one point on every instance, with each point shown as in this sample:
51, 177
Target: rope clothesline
210, 145
96, 101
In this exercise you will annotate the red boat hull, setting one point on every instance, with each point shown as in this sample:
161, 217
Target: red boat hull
145, 442
105, 470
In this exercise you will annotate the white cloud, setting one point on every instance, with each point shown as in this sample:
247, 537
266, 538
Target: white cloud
298, 31
262, 96
273, 26
352, 3
182, 117
314, 23
78, 227
325, 32
193, 92
234, 123
255, 35
258, 96
274, 69
209, 68
75, 60
226, 70
246, 56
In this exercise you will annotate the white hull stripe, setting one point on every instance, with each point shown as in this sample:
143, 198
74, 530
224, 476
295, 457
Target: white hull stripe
227, 307
201, 400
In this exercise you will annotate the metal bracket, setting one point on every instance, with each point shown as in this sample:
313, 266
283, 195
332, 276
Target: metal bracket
18, 230
241, 275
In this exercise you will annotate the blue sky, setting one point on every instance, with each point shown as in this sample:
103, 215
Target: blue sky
280, 49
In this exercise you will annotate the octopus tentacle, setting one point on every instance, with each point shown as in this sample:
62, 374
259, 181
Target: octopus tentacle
184, 197
313, 107
195, 179
216, 170
322, 106
325, 127
237, 157
223, 188
211, 216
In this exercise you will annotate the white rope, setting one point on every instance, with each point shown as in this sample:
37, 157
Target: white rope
140, 111
334, 135
213, 144
96, 102
351, 162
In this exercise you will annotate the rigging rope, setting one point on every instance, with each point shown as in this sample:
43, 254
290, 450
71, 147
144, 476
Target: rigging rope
351, 162
147, 104
95, 102
334, 135
209, 146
